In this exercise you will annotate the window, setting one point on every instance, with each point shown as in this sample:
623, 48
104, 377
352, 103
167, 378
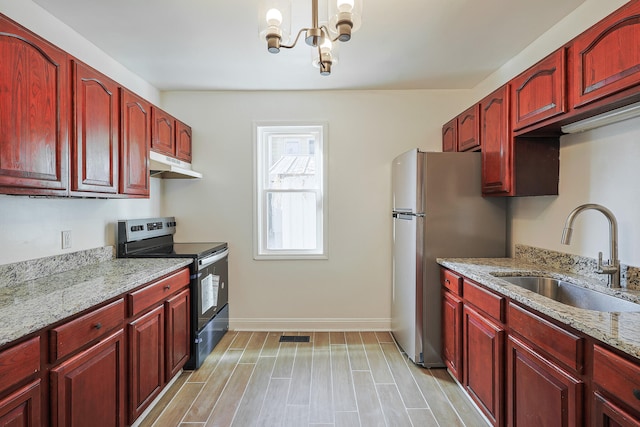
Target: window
290, 176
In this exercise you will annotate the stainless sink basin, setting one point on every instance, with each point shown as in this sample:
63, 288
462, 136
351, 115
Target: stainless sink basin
570, 294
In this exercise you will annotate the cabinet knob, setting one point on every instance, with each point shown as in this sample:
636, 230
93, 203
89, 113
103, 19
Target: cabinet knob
98, 325
636, 393
447, 281
166, 288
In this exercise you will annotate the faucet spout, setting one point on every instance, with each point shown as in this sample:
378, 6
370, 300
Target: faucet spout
613, 267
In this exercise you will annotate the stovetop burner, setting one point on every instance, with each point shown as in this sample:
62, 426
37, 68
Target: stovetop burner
195, 250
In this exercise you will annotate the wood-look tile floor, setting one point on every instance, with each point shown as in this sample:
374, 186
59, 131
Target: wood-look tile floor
340, 379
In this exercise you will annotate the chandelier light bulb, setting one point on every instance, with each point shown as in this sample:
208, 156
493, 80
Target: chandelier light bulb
345, 5
326, 45
274, 17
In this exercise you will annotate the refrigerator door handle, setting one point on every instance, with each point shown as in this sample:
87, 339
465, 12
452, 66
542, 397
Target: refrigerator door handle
407, 215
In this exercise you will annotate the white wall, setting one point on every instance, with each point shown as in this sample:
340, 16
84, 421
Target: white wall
31, 228
599, 166
366, 131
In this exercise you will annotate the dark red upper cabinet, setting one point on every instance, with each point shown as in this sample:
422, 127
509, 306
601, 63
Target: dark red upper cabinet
497, 143
34, 116
135, 140
450, 136
94, 143
469, 129
606, 57
163, 136
170, 136
540, 92
183, 141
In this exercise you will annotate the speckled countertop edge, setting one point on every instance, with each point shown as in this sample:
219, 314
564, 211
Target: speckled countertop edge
619, 330
29, 306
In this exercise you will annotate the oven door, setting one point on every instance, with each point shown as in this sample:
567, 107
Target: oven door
211, 286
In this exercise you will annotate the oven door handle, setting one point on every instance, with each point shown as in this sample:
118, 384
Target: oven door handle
206, 261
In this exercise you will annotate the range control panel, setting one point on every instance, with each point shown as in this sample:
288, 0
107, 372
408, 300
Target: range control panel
132, 230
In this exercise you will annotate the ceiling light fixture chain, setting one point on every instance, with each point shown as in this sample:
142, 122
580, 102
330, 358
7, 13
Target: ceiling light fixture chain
345, 18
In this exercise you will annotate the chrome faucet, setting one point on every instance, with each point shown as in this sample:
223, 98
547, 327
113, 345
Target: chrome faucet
613, 266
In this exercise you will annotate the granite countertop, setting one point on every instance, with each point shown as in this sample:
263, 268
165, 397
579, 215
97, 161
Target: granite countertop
29, 305
619, 330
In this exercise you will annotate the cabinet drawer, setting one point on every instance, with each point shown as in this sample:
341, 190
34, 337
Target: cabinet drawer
72, 335
616, 375
487, 301
451, 281
19, 362
156, 292
564, 346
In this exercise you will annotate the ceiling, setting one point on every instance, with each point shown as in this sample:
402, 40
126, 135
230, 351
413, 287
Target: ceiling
214, 44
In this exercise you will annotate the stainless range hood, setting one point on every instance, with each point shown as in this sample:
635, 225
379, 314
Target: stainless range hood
162, 166
610, 117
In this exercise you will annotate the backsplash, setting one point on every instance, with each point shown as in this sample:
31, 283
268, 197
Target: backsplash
32, 269
584, 266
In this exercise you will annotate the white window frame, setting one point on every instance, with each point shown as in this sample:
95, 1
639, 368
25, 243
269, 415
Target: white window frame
261, 252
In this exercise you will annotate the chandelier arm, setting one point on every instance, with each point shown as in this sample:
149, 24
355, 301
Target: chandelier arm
328, 34
296, 40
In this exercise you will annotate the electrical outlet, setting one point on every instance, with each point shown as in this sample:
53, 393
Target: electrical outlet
66, 239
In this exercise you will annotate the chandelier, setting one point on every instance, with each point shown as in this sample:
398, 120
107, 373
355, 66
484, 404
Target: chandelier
342, 18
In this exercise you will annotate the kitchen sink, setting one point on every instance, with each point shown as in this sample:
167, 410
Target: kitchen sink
570, 294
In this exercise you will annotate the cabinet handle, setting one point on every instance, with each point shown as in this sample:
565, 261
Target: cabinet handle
447, 281
636, 393
166, 288
98, 325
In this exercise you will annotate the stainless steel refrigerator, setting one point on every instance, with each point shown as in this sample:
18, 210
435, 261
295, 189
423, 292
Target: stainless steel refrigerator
438, 212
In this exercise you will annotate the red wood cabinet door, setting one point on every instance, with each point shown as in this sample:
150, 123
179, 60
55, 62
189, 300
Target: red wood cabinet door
183, 141
452, 333
178, 341
134, 144
606, 57
94, 143
22, 407
89, 388
483, 359
540, 393
469, 129
450, 136
496, 140
34, 117
146, 360
609, 414
540, 92
163, 136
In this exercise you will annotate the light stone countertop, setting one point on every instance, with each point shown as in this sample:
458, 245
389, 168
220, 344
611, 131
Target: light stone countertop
28, 306
619, 330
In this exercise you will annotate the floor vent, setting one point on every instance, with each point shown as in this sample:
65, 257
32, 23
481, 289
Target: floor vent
294, 338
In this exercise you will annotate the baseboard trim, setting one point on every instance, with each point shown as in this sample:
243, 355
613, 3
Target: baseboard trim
305, 324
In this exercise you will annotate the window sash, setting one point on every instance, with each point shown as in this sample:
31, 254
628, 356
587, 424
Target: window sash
264, 190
